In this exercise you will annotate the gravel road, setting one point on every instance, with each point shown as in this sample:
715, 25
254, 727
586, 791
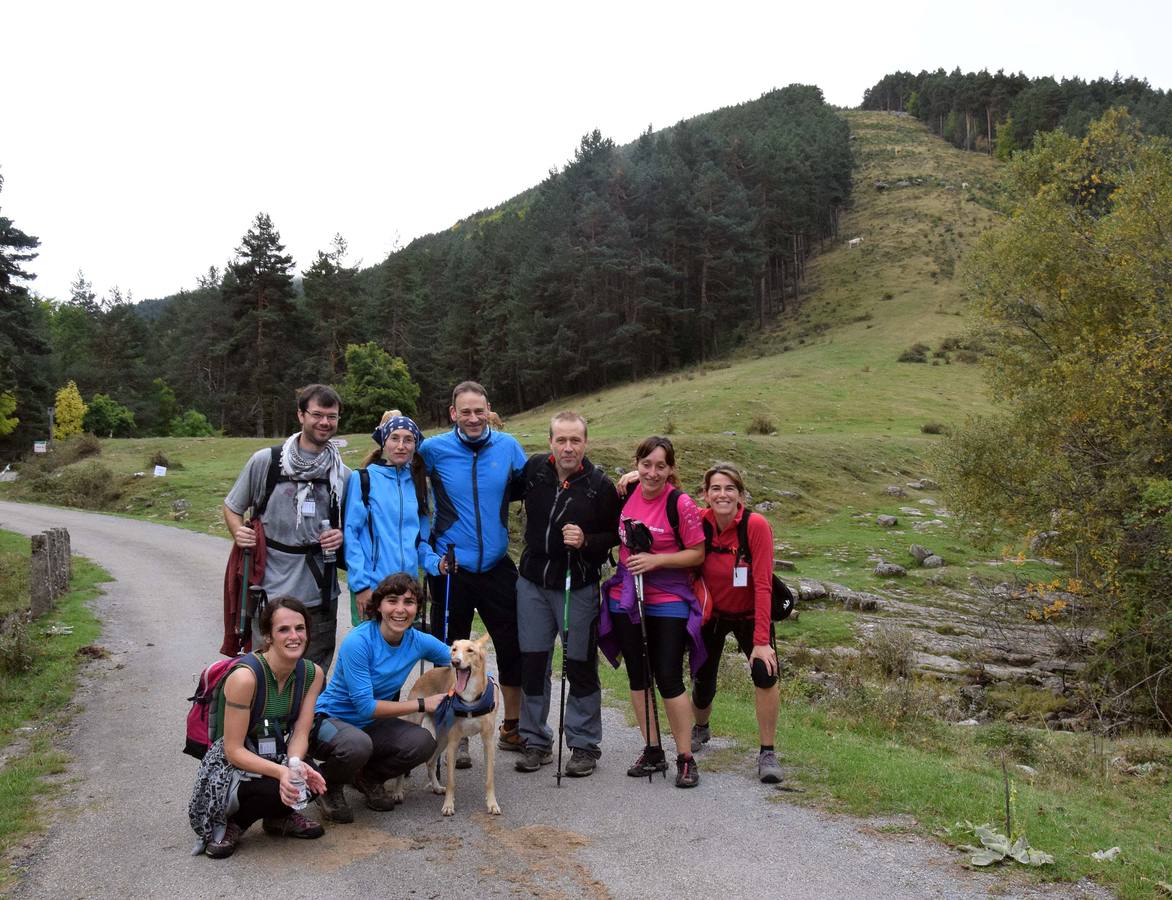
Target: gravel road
121, 828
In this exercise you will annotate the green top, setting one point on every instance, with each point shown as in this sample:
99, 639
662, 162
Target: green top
277, 703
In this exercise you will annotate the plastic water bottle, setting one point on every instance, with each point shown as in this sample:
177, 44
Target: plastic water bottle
328, 556
297, 779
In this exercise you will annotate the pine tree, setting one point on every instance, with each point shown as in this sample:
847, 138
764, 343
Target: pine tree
266, 341
24, 347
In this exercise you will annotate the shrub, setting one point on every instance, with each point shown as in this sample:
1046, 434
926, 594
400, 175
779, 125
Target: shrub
192, 423
1013, 742
967, 356
934, 428
159, 458
108, 417
670, 427
88, 485
891, 649
17, 650
916, 353
761, 425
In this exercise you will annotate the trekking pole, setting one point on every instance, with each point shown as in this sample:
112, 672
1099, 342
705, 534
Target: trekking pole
451, 557
426, 601
650, 688
242, 628
565, 653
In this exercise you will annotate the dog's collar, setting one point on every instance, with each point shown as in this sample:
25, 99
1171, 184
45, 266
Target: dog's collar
485, 704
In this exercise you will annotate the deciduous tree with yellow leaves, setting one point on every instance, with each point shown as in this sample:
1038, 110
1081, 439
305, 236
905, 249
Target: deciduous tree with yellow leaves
1075, 293
70, 412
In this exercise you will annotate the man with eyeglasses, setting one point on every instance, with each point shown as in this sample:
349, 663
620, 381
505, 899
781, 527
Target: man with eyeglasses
295, 491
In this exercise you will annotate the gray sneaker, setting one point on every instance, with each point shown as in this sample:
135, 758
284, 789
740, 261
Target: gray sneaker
701, 735
581, 764
768, 768
463, 757
533, 758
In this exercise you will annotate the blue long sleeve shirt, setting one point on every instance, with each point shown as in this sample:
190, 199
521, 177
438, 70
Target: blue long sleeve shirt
369, 669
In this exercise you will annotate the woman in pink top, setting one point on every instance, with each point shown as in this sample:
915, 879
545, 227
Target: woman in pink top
672, 611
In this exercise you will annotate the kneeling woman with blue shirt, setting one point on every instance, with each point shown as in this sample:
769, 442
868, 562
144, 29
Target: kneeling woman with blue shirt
361, 738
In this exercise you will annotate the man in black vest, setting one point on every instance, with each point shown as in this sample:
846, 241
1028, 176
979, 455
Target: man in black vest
571, 520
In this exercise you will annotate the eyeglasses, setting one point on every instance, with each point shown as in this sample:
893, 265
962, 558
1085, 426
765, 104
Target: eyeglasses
323, 417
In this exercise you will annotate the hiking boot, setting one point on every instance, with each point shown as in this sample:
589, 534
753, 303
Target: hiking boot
375, 793
532, 759
768, 769
510, 739
687, 775
650, 761
333, 806
581, 763
701, 735
463, 757
226, 846
293, 825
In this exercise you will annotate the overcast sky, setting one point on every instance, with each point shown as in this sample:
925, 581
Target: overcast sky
139, 140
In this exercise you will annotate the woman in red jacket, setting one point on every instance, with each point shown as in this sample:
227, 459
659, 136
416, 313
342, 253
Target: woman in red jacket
740, 595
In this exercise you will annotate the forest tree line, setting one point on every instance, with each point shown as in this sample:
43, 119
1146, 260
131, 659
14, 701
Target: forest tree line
627, 261
999, 113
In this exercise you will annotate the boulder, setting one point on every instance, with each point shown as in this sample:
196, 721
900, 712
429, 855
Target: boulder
889, 570
911, 511
863, 602
764, 506
887, 521
894, 490
932, 562
783, 565
919, 553
1041, 539
811, 590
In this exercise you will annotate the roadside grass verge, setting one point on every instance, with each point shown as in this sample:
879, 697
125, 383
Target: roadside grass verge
36, 698
871, 748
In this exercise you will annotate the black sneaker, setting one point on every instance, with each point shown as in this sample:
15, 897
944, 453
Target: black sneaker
333, 806
701, 735
532, 759
650, 761
376, 794
293, 825
226, 846
687, 775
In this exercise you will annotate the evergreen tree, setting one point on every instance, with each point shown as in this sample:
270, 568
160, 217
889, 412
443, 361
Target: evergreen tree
24, 346
267, 335
331, 300
375, 382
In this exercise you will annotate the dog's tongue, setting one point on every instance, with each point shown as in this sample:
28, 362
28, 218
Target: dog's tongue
462, 676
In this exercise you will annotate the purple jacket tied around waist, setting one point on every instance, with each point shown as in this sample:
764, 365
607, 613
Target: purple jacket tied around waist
672, 581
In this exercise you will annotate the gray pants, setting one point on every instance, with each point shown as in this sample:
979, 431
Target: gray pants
386, 748
539, 622
323, 636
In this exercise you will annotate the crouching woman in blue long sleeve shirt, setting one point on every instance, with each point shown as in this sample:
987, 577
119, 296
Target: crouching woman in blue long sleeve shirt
361, 738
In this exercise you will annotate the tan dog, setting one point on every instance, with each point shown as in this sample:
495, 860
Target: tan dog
467, 679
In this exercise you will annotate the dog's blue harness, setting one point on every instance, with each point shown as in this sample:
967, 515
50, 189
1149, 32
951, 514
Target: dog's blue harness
454, 705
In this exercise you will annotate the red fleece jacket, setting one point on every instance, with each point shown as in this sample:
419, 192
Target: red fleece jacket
753, 600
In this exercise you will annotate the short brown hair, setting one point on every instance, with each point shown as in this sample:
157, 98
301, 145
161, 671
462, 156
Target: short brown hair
567, 416
393, 585
727, 469
469, 387
324, 395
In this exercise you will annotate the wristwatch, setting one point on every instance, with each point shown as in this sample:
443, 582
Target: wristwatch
422, 708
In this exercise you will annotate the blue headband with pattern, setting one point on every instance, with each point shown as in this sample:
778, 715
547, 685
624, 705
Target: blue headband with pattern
384, 430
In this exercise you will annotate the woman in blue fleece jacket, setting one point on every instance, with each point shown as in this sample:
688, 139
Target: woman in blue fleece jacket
387, 532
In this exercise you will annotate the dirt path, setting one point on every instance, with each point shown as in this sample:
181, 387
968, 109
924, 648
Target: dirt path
121, 829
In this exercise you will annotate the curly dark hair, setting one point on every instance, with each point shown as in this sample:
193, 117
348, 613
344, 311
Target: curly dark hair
393, 585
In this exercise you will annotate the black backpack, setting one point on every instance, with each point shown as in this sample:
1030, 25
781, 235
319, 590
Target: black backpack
783, 598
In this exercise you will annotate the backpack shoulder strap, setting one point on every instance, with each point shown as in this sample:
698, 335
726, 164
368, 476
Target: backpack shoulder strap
707, 526
302, 673
743, 538
258, 698
271, 478
673, 515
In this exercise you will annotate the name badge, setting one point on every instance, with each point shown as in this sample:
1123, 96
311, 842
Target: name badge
309, 507
741, 576
266, 746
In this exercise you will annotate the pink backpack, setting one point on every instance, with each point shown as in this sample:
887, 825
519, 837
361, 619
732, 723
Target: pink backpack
205, 704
